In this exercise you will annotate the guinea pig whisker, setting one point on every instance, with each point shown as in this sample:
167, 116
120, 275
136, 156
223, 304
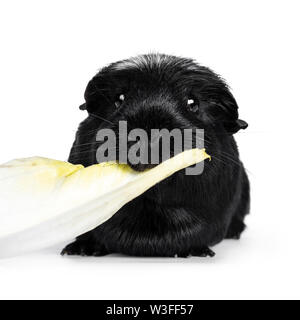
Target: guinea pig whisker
84, 151
91, 132
92, 143
216, 158
226, 162
101, 118
228, 157
84, 144
92, 150
202, 139
232, 160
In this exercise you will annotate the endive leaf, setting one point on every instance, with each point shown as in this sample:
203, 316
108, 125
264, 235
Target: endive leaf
44, 202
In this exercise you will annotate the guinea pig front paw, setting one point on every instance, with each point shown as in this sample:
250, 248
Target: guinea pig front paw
235, 229
84, 248
203, 252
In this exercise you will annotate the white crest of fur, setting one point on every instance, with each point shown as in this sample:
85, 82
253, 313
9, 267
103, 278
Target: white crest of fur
150, 61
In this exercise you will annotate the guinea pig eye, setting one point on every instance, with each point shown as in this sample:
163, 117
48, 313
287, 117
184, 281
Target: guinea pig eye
120, 100
192, 105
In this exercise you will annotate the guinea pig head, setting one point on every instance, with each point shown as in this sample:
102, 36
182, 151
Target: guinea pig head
160, 92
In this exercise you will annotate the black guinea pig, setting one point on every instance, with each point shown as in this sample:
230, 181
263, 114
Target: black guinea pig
183, 215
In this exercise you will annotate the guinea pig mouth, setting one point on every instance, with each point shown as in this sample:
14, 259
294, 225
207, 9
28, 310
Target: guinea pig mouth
141, 167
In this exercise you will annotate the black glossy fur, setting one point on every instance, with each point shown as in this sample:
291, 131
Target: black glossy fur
183, 215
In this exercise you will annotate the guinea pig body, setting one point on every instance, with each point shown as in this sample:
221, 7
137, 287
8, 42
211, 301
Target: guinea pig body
184, 214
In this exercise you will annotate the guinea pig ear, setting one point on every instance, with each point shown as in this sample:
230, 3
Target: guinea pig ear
83, 107
236, 126
88, 94
93, 95
227, 112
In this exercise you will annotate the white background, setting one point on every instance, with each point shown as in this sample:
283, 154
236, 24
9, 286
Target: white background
48, 52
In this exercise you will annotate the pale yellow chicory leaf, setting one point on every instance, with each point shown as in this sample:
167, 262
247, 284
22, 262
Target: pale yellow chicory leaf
44, 202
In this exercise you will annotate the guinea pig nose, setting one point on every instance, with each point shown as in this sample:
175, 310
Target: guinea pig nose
139, 156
